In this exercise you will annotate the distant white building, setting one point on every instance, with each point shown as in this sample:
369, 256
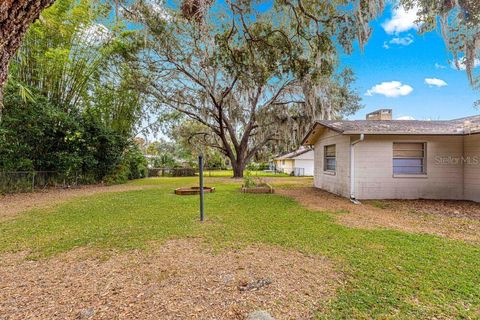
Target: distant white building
299, 162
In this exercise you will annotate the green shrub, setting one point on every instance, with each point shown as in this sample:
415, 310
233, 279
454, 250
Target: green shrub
36, 135
136, 162
250, 181
165, 160
132, 166
118, 176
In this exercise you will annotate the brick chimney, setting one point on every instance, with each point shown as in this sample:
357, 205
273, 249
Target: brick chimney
382, 114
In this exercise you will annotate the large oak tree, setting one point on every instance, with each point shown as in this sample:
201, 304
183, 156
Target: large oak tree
243, 74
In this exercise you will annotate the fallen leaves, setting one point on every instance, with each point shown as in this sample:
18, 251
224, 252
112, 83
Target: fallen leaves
181, 279
452, 219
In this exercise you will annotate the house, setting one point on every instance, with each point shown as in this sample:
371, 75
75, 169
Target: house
381, 158
299, 162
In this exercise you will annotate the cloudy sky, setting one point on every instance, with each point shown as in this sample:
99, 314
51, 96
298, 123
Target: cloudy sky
409, 73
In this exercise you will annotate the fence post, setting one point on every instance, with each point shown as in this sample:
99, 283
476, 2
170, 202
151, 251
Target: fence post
33, 181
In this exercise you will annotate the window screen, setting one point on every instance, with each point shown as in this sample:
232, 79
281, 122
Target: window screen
330, 161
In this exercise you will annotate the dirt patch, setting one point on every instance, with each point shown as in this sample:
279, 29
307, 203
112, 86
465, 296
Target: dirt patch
181, 279
13, 204
452, 219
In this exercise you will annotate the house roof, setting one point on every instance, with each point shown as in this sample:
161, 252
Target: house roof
293, 154
462, 126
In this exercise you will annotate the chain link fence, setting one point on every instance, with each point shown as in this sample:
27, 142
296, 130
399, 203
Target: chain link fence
28, 181
172, 172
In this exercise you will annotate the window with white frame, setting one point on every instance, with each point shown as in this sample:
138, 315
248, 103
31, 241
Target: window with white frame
330, 158
409, 158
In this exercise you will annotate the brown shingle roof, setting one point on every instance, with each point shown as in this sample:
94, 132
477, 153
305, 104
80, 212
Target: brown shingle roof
456, 127
462, 126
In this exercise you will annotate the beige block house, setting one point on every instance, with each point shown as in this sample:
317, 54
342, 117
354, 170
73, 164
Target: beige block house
299, 162
397, 159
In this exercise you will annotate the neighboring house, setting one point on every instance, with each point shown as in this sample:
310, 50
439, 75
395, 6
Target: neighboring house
397, 159
300, 162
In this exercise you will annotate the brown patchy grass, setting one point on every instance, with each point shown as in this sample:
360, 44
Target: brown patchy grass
449, 208
452, 219
181, 279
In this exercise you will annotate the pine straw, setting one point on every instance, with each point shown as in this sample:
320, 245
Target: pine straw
181, 279
452, 219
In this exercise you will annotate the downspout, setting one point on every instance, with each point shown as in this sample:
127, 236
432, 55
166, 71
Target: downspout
352, 168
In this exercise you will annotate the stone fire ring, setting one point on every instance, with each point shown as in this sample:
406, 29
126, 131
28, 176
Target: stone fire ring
193, 190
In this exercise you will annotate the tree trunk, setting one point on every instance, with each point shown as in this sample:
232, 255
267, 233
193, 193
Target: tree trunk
238, 166
15, 18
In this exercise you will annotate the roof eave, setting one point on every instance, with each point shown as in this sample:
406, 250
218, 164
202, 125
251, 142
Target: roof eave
405, 133
313, 129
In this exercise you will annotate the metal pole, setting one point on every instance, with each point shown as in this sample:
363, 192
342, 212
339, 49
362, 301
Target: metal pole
200, 166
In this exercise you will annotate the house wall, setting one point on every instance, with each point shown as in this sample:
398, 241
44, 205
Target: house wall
285, 166
307, 165
472, 167
374, 177
306, 162
339, 183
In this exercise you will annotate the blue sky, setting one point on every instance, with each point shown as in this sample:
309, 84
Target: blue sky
404, 56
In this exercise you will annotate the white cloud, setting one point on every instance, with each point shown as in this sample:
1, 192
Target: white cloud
401, 21
95, 34
390, 89
402, 41
462, 66
439, 66
434, 82
399, 41
405, 118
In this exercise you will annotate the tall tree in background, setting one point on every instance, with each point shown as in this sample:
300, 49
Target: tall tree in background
79, 61
15, 18
458, 20
79, 108
62, 52
238, 72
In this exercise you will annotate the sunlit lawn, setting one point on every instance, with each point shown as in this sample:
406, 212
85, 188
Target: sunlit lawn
255, 173
389, 274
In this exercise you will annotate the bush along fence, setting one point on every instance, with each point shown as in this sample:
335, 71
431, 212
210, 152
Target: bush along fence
27, 181
207, 172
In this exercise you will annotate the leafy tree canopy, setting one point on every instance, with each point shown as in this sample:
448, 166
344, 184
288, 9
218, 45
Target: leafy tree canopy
249, 77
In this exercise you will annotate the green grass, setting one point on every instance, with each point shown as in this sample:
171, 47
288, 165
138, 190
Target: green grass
229, 173
388, 274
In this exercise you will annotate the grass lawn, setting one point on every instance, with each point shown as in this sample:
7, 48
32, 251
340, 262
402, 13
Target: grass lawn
388, 274
255, 173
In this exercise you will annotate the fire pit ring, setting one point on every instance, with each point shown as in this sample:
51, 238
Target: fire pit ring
193, 190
